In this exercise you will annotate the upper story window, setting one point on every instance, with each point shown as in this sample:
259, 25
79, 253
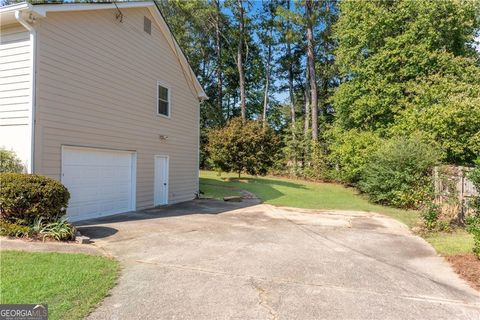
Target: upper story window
163, 100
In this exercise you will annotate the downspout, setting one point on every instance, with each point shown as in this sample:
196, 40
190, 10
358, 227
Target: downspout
33, 41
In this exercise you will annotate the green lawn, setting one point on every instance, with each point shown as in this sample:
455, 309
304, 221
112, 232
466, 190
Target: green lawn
297, 193
71, 284
314, 195
456, 242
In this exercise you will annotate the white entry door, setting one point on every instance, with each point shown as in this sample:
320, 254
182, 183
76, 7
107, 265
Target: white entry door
101, 182
161, 180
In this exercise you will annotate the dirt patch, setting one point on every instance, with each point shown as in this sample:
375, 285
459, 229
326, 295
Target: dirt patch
468, 267
248, 195
229, 179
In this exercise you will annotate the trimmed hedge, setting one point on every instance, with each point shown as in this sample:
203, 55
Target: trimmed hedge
26, 197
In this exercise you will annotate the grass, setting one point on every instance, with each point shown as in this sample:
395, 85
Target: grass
456, 242
71, 284
298, 194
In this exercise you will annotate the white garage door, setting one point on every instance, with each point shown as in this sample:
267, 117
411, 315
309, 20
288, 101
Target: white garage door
101, 182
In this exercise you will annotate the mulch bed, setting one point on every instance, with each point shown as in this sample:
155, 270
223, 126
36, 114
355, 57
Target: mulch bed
468, 267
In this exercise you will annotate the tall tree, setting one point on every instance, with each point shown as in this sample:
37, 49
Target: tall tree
218, 49
241, 73
266, 37
307, 111
288, 39
291, 69
309, 17
327, 73
266, 91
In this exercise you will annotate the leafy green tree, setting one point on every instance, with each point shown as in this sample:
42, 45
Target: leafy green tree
306, 33
447, 110
267, 34
9, 162
242, 147
349, 152
408, 66
289, 61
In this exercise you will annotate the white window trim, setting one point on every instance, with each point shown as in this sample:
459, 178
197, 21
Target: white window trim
159, 83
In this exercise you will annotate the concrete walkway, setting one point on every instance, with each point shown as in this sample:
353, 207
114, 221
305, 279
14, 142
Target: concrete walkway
212, 260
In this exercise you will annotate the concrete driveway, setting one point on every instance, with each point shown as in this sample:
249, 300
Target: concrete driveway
215, 260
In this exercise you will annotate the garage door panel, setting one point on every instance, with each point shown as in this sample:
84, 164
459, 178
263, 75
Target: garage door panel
102, 158
100, 182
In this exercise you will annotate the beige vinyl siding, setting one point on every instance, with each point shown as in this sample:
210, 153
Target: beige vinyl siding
97, 87
15, 90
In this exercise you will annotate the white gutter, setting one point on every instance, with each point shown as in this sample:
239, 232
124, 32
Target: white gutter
33, 60
16, 6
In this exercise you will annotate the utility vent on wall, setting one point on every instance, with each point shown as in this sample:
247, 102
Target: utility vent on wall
147, 25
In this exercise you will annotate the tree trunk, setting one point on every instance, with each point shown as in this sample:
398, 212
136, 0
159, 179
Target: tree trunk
265, 97
306, 129
311, 68
290, 90
307, 104
267, 82
218, 47
290, 74
241, 73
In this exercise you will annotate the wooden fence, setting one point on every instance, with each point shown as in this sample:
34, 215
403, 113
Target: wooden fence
453, 191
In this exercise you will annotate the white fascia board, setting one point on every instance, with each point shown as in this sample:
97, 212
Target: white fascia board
42, 9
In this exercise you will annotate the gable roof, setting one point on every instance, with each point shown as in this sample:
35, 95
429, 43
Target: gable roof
7, 15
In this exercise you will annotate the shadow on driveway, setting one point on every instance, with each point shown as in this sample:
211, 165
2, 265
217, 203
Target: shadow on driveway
94, 228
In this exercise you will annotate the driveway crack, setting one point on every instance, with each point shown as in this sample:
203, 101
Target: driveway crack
254, 280
263, 298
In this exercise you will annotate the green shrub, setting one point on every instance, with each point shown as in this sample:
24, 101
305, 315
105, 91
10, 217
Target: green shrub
9, 229
434, 220
399, 173
473, 222
243, 147
9, 162
473, 227
59, 230
25, 197
430, 216
474, 176
349, 151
